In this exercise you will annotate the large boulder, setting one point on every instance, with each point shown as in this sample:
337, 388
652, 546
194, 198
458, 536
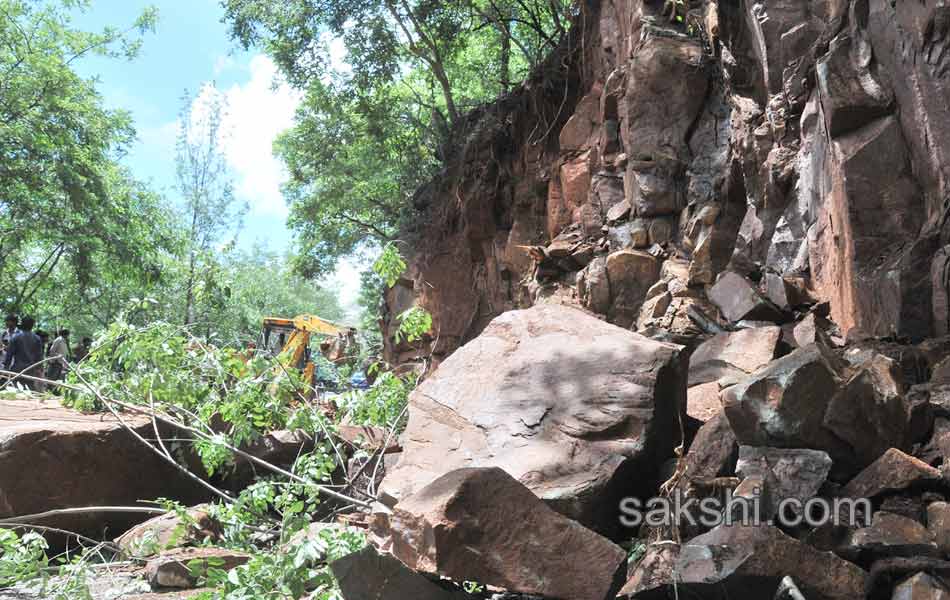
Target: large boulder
77, 459
751, 562
368, 574
784, 404
578, 410
482, 525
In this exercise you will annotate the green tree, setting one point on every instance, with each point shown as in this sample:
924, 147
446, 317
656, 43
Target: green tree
374, 128
204, 182
67, 209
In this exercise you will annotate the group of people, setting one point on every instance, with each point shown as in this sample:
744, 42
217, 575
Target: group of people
27, 351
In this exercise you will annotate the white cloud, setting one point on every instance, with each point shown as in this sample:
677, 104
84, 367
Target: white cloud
222, 63
257, 113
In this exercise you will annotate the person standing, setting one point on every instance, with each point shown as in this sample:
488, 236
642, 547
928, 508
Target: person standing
11, 326
82, 349
25, 352
58, 355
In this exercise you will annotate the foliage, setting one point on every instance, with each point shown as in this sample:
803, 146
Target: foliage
414, 323
380, 405
21, 558
390, 265
385, 85
68, 210
161, 365
288, 575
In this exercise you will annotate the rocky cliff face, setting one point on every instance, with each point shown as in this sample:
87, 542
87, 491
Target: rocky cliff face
801, 141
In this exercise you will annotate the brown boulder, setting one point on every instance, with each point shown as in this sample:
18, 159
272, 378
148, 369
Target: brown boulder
578, 410
593, 286
713, 451
784, 404
702, 401
80, 459
738, 300
631, 273
892, 472
369, 575
869, 412
182, 568
733, 354
938, 524
654, 571
482, 525
168, 531
750, 562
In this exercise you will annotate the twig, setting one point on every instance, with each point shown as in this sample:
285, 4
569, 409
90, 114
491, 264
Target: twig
382, 457
44, 528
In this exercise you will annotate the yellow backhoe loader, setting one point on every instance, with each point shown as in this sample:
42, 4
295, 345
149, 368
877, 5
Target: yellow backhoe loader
290, 339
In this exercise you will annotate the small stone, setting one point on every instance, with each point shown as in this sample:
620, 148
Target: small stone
179, 568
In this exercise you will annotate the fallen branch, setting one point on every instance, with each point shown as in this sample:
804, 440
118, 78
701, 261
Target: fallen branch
214, 440
82, 511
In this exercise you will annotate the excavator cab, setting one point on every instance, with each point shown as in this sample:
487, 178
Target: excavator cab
289, 341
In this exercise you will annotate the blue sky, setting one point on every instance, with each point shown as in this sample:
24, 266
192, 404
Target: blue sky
190, 48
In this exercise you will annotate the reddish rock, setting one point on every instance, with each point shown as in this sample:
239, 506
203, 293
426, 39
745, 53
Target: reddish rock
702, 401
892, 472
631, 274
713, 451
750, 562
891, 535
169, 530
786, 293
78, 460
738, 300
808, 331
869, 411
179, 568
567, 404
482, 525
733, 354
368, 437
784, 404
594, 287
369, 575
653, 572
618, 212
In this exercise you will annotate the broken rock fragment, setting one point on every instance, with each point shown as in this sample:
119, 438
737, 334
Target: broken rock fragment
733, 354
891, 535
892, 472
738, 300
750, 562
787, 473
181, 568
482, 525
